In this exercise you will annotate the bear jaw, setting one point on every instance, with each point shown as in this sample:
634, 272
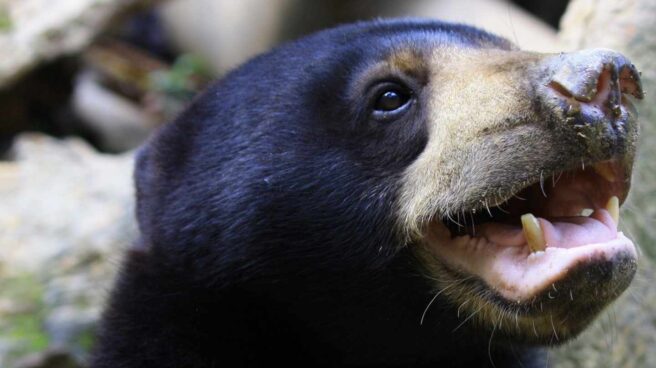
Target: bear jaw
582, 264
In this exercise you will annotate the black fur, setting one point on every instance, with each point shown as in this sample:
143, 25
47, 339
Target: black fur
268, 229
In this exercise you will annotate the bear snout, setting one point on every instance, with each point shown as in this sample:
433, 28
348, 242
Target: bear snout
589, 89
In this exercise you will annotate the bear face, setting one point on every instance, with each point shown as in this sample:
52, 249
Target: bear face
350, 199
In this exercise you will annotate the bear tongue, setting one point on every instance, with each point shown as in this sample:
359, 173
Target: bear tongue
576, 231
559, 232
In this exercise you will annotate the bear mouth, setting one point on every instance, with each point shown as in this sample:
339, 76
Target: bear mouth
528, 244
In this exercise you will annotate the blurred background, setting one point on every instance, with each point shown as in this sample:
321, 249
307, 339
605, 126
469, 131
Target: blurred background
84, 82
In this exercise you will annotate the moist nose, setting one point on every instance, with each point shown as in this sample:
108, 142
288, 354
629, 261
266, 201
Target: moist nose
591, 84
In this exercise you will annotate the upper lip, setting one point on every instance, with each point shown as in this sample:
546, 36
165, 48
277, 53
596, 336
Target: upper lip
617, 168
556, 193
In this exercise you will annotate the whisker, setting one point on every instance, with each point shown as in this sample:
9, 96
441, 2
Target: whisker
461, 305
518, 197
489, 345
423, 315
502, 210
553, 327
488, 209
454, 221
558, 178
467, 319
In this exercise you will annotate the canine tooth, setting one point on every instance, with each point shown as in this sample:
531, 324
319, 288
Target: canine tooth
613, 207
605, 171
533, 233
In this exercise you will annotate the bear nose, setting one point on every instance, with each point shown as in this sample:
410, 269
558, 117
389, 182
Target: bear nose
590, 84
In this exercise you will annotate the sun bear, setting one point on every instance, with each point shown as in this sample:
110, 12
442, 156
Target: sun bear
393, 193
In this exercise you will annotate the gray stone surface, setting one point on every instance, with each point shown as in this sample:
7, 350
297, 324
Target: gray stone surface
34, 31
66, 214
242, 29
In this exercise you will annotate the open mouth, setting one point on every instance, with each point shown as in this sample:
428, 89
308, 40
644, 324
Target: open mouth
526, 244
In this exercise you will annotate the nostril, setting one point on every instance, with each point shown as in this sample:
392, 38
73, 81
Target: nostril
597, 92
560, 89
630, 82
607, 97
597, 75
604, 96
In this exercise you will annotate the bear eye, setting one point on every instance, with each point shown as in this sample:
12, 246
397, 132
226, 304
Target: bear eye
391, 100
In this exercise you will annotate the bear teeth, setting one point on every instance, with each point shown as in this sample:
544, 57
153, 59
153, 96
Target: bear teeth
533, 233
613, 207
606, 171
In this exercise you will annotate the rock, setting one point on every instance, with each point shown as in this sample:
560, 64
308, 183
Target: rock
67, 325
59, 197
122, 93
34, 31
66, 215
54, 358
239, 30
118, 123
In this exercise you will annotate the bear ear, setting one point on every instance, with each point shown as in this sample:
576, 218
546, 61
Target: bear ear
143, 178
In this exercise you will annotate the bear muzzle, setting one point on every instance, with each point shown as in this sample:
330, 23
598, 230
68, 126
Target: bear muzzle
539, 161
